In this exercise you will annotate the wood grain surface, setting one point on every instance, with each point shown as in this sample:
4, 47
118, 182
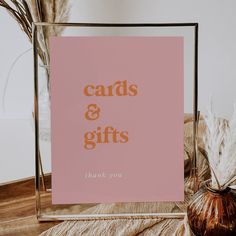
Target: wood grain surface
17, 210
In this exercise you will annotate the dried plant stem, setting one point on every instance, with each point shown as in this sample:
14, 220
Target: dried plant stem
25, 12
220, 143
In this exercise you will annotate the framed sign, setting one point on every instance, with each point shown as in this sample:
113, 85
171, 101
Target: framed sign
116, 95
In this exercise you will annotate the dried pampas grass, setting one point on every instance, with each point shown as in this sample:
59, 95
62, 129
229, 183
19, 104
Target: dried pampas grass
25, 12
50, 11
220, 143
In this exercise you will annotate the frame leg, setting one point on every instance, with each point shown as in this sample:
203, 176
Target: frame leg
42, 173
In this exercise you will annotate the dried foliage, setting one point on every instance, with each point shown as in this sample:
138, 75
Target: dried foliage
220, 143
25, 12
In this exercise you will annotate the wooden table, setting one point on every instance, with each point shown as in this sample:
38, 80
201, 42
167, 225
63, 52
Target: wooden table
17, 210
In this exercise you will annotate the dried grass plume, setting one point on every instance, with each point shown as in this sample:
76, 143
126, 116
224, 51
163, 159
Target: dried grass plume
25, 12
220, 144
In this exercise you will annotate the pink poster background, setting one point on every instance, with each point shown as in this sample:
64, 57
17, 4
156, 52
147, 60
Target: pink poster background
150, 166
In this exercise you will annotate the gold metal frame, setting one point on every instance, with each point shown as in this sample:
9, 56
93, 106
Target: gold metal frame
39, 175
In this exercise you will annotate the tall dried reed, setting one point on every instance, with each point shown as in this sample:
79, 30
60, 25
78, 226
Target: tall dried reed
220, 144
25, 12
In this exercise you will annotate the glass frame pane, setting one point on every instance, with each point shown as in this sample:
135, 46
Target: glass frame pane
48, 212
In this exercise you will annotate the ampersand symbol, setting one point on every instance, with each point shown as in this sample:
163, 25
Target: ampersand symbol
93, 112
